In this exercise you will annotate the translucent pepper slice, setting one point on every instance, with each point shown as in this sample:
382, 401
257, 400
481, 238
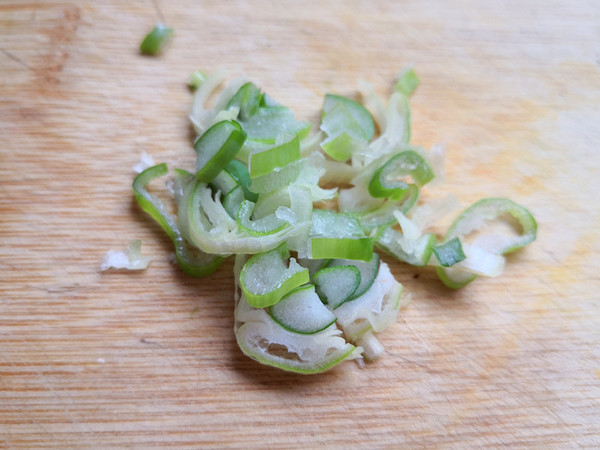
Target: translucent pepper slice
335, 285
475, 217
348, 125
374, 310
388, 180
302, 311
197, 78
239, 171
270, 224
209, 225
384, 214
191, 260
263, 339
216, 148
416, 252
449, 253
224, 182
269, 122
407, 81
233, 200
154, 41
501, 226
265, 279
247, 99
360, 248
338, 235
278, 178
368, 272
264, 162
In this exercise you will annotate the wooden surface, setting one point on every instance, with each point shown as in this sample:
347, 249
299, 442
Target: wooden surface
90, 359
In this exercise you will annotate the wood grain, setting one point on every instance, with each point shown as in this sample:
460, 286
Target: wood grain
90, 359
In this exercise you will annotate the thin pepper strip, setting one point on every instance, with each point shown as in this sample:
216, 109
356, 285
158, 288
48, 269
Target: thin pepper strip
154, 41
192, 261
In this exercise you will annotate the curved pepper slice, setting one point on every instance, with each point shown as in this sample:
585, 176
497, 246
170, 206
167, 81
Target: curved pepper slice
349, 126
416, 252
154, 41
338, 235
302, 311
489, 209
483, 254
337, 284
387, 180
247, 99
263, 339
449, 253
265, 279
266, 161
192, 261
217, 147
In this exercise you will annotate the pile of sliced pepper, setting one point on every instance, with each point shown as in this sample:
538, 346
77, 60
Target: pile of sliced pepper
310, 289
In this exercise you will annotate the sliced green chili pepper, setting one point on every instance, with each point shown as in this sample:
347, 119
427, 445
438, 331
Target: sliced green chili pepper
368, 272
337, 284
449, 253
265, 279
488, 209
407, 82
384, 215
374, 310
224, 182
263, 339
278, 179
248, 99
154, 42
216, 148
301, 311
415, 252
192, 261
269, 224
269, 122
265, 162
360, 248
483, 255
196, 79
348, 126
239, 171
233, 200
387, 182
338, 235
208, 224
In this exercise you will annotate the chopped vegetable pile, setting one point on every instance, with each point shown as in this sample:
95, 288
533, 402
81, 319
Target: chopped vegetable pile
304, 213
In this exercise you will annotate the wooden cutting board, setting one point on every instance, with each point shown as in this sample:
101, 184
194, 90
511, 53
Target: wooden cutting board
90, 359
